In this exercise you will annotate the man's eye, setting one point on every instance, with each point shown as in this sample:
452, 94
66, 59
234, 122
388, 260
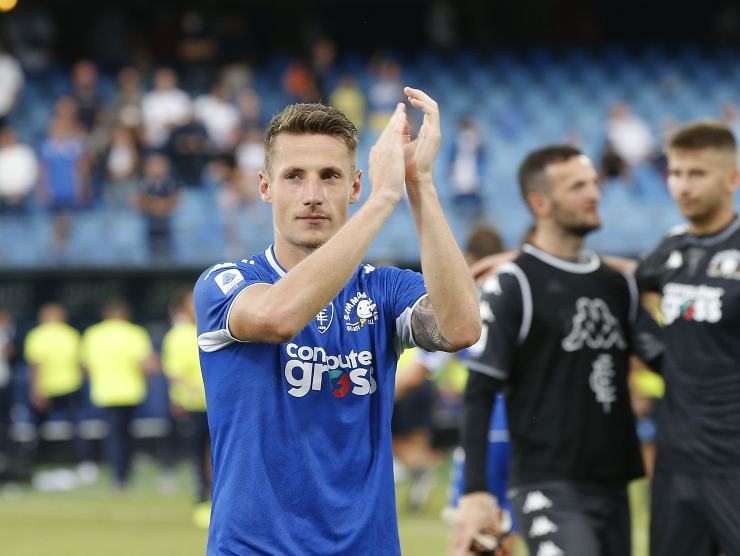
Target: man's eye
330, 176
293, 176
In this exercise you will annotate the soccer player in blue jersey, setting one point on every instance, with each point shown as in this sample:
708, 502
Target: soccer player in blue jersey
299, 343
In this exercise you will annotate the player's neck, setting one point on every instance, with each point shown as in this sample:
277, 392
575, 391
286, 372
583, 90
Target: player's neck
289, 255
558, 243
716, 223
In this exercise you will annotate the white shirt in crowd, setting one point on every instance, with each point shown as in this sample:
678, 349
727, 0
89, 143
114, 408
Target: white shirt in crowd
465, 175
19, 171
161, 111
631, 138
220, 118
11, 82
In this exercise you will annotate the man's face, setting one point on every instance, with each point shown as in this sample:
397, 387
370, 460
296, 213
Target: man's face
573, 195
701, 181
310, 185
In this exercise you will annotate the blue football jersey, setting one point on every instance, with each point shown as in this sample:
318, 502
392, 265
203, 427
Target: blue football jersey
300, 431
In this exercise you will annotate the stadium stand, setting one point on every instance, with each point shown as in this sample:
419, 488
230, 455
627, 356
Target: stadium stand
519, 99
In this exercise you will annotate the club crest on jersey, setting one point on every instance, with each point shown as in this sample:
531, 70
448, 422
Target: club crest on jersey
725, 264
228, 280
594, 327
602, 382
359, 311
325, 318
675, 260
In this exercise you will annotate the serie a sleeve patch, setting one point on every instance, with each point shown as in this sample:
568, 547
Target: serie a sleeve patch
228, 280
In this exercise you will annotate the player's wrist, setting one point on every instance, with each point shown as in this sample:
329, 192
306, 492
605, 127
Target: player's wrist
384, 199
422, 189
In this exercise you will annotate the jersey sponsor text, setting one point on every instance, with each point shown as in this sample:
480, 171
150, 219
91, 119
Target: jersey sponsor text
346, 373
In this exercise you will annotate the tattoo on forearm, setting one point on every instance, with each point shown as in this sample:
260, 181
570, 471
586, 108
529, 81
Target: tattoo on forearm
425, 329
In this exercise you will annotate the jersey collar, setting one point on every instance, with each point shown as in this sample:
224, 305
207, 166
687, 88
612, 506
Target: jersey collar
272, 261
590, 262
718, 237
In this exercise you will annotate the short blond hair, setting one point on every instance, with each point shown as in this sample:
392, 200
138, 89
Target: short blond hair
314, 118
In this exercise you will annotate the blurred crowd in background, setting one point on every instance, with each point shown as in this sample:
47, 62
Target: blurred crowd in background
145, 151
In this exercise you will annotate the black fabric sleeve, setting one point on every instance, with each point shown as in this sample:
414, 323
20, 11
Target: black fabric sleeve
480, 397
651, 267
505, 310
647, 340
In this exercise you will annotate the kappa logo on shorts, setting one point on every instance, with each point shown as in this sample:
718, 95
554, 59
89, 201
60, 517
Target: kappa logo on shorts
535, 502
325, 318
541, 526
549, 548
228, 280
359, 311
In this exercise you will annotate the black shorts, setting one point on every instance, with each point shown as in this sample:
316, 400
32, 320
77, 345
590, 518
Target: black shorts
694, 515
570, 518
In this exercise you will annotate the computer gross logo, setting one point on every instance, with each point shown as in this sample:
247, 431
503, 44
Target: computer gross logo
345, 373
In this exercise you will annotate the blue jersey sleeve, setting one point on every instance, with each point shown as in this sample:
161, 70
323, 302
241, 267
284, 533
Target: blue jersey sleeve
214, 294
404, 289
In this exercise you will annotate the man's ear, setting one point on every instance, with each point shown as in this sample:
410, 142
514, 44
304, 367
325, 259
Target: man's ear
735, 179
538, 203
265, 187
354, 194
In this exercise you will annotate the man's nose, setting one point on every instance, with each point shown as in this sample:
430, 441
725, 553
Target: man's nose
594, 191
313, 193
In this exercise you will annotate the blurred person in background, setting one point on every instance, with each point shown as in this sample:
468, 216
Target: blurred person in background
19, 171
65, 171
52, 353
236, 193
647, 389
323, 60
467, 161
164, 108
122, 166
11, 83
412, 427
250, 110
349, 99
157, 199
219, 116
629, 135
125, 106
384, 93
7, 333
564, 362
189, 149
117, 355
693, 278
181, 365
86, 94
299, 82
